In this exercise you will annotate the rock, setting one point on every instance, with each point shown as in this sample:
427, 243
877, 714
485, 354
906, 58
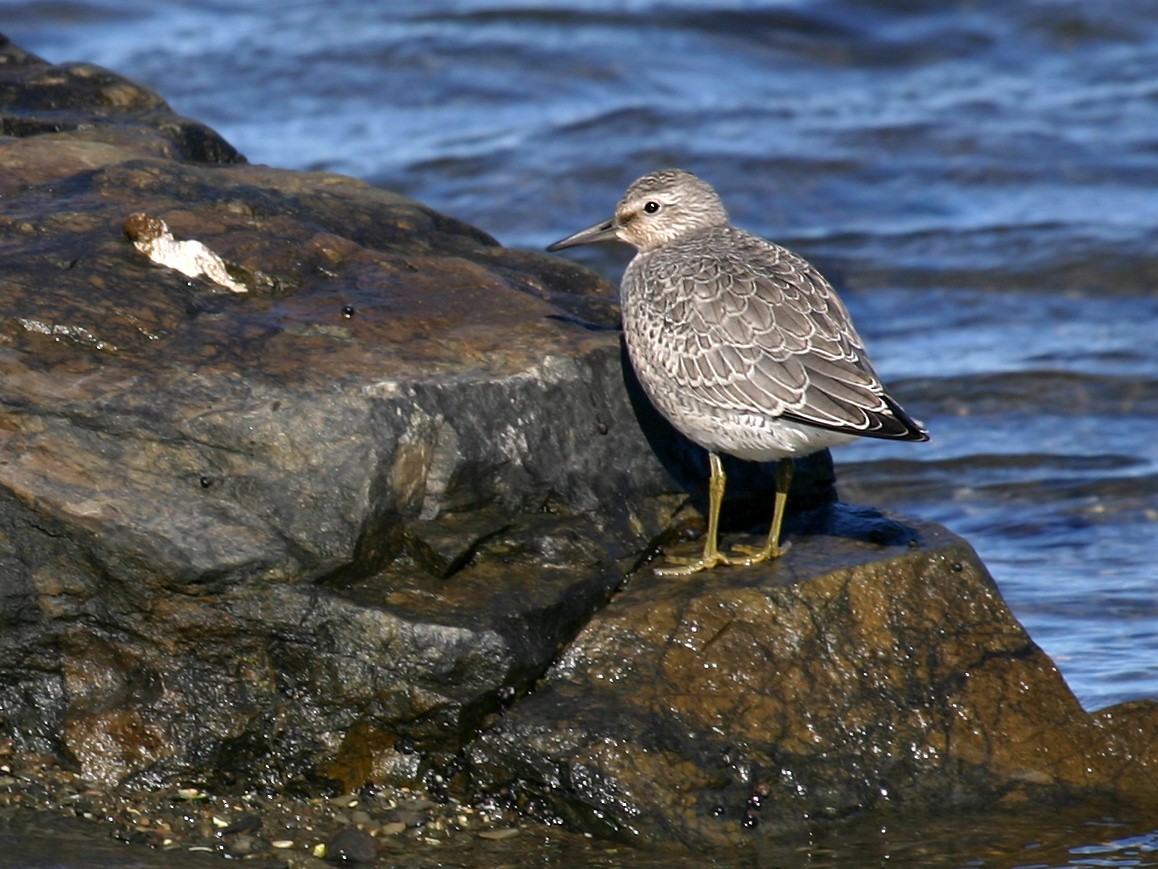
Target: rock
90, 107
326, 530
246, 823
280, 536
499, 835
839, 679
352, 846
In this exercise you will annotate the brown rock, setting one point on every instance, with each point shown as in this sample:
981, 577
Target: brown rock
838, 679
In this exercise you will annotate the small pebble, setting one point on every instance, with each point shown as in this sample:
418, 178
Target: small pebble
392, 829
246, 823
499, 835
242, 845
282, 843
409, 817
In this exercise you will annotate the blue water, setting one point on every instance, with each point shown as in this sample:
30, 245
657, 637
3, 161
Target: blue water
980, 178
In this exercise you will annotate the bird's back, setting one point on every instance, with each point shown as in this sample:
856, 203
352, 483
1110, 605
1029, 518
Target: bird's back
724, 325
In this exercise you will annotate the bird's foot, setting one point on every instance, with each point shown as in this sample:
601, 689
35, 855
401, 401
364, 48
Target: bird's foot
749, 555
687, 566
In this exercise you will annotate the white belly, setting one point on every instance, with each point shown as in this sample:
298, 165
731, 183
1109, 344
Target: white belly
747, 435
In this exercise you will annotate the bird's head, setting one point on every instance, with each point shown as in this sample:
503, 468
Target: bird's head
657, 209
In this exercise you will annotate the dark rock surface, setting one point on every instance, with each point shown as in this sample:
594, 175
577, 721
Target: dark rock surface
325, 531
269, 536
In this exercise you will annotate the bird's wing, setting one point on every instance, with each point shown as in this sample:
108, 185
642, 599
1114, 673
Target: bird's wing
751, 327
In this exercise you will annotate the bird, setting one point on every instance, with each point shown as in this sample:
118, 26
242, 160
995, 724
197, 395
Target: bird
741, 344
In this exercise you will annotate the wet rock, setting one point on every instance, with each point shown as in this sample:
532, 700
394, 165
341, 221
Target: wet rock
251, 539
43, 102
351, 846
838, 679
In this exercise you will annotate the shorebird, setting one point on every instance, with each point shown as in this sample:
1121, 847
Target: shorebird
741, 344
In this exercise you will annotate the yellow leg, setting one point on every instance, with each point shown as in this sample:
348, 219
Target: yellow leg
712, 555
772, 548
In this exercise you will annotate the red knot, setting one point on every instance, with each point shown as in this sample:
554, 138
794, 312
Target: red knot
741, 344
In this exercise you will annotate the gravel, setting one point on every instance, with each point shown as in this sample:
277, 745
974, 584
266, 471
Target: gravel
375, 825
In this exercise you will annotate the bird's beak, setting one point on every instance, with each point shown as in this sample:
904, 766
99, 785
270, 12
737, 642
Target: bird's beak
605, 231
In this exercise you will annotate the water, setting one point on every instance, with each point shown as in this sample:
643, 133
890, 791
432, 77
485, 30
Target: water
978, 177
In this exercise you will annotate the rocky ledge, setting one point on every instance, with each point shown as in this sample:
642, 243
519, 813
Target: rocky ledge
362, 496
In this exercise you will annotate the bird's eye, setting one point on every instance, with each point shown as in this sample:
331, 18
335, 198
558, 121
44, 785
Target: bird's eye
651, 207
